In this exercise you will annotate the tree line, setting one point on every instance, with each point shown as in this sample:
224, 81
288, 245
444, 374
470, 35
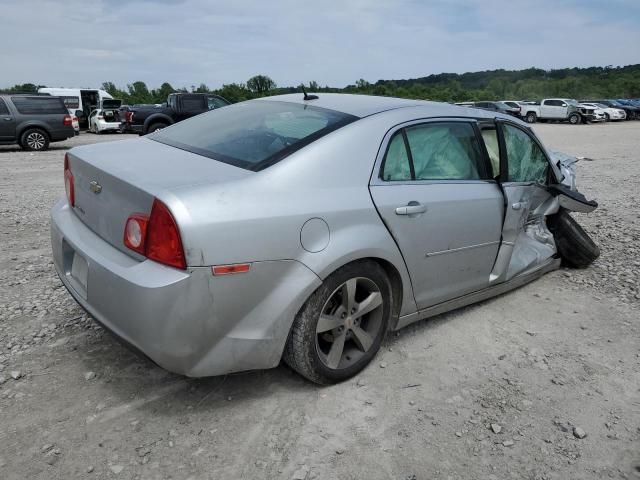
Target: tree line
528, 84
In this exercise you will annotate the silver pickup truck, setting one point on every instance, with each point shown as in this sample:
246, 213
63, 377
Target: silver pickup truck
558, 109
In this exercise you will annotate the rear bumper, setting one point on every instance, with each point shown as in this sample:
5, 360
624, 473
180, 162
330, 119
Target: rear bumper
108, 126
62, 134
188, 322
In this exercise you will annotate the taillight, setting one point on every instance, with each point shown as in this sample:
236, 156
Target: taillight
67, 120
129, 117
68, 182
156, 237
135, 232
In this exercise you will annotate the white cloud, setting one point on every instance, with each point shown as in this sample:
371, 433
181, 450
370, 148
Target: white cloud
86, 42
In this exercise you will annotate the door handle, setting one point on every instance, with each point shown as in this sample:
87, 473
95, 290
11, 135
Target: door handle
413, 208
8, 119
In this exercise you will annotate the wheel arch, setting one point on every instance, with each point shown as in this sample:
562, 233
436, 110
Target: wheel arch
403, 301
157, 118
20, 129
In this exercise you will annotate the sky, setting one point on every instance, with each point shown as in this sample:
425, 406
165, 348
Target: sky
82, 43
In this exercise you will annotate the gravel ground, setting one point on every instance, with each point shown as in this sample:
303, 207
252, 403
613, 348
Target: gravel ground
540, 383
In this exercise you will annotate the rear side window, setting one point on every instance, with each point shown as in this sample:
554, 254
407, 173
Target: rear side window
435, 151
3, 108
490, 137
192, 104
39, 105
396, 163
253, 135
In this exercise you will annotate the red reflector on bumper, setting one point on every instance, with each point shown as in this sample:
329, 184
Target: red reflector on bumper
229, 269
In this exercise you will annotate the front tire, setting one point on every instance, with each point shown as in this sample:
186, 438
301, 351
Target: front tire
607, 118
340, 328
575, 246
574, 119
35, 140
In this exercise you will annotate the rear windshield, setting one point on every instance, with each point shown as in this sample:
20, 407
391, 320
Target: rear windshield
39, 105
109, 103
253, 135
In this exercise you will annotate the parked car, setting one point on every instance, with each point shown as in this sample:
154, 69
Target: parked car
180, 106
106, 118
629, 110
498, 107
558, 109
286, 227
635, 108
598, 113
34, 121
609, 113
517, 103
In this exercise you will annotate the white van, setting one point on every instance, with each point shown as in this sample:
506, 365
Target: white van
79, 101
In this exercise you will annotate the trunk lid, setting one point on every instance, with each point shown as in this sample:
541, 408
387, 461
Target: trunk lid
113, 180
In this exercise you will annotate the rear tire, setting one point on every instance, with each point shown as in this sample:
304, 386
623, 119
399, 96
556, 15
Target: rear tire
531, 117
35, 140
311, 343
155, 127
575, 246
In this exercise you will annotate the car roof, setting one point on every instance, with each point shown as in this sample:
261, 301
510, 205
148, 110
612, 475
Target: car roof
366, 105
357, 105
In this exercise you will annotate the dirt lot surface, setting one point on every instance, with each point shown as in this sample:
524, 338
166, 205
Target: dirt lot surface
499, 390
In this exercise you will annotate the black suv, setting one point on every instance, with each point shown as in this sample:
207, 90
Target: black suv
33, 121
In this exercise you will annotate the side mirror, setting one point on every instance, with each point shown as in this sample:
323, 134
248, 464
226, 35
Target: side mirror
563, 105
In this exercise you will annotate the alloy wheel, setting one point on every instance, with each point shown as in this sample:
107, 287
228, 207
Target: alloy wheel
36, 141
349, 323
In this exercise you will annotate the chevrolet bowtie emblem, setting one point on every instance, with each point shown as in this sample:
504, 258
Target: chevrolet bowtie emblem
95, 187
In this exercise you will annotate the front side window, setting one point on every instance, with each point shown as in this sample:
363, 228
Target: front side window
216, 102
525, 159
253, 135
445, 151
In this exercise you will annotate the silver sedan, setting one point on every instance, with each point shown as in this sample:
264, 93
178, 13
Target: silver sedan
305, 228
